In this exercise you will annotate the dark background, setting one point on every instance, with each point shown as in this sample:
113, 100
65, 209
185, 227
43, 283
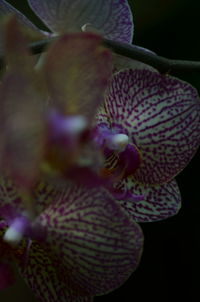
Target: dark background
169, 268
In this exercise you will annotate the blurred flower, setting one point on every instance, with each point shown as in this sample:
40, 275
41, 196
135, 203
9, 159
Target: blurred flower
46, 112
155, 122
69, 242
111, 18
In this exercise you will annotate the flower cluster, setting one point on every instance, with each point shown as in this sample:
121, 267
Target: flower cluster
88, 149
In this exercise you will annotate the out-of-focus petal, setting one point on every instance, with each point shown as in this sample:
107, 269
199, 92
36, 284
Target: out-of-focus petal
22, 128
6, 9
77, 69
39, 272
111, 18
159, 202
22, 125
161, 116
92, 238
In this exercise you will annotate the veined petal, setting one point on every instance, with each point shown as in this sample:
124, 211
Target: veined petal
8, 194
96, 244
77, 69
44, 193
40, 274
112, 18
159, 202
161, 116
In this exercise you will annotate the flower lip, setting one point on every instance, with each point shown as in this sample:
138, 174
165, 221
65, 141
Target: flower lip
117, 141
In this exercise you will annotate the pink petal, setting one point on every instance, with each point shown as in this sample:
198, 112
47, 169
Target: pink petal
96, 244
41, 276
44, 193
161, 116
159, 202
22, 125
112, 18
77, 81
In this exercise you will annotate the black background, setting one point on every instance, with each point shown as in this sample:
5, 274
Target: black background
169, 268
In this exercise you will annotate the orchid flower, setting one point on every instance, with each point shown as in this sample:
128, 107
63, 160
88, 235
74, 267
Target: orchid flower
111, 18
68, 242
47, 111
149, 129
81, 244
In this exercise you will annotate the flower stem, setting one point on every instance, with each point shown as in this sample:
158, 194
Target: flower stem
162, 64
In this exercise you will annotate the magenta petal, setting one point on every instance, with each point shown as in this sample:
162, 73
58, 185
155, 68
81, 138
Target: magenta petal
161, 116
112, 18
41, 276
96, 244
159, 201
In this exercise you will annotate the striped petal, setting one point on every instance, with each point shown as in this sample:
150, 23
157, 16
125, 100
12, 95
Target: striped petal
78, 79
97, 245
44, 193
159, 201
161, 116
40, 274
112, 18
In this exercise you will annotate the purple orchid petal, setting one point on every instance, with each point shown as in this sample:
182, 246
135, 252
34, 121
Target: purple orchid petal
40, 274
12, 204
159, 201
111, 18
77, 81
96, 244
8, 195
161, 116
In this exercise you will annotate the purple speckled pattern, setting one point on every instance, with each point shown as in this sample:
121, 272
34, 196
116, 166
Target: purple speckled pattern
97, 245
161, 116
112, 18
43, 195
8, 194
159, 202
41, 276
